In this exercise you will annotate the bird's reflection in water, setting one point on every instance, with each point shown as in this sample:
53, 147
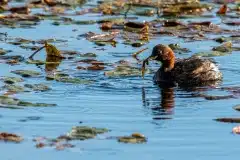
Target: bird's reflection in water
52, 63
163, 106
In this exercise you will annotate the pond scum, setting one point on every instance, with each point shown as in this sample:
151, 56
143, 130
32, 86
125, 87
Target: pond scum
120, 27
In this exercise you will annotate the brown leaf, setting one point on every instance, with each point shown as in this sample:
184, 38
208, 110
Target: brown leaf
10, 137
40, 145
106, 26
95, 67
222, 9
20, 10
172, 24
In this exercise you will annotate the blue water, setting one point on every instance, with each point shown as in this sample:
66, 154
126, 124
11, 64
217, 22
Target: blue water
124, 105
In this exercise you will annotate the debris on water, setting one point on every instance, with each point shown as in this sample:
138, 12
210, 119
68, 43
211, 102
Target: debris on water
14, 88
211, 97
88, 55
6, 100
236, 130
125, 70
211, 54
30, 118
59, 143
27, 73
85, 132
178, 49
11, 80
3, 52
136, 27
222, 10
237, 107
93, 37
20, 10
10, 137
95, 67
134, 138
38, 87
225, 47
67, 79
228, 120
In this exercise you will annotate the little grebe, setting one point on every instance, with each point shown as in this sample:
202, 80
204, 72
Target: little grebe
192, 71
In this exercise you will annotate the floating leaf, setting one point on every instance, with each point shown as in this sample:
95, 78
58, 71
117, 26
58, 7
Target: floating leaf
14, 88
3, 52
178, 48
222, 9
38, 87
136, 27
210, 97
29, 104
26, 73
101, 37
237, 107
5, 100
211, 54
12, 80
95, 67
124, 71
67, 79
20, 10
225, 47
73, 80
88, 55
10, 137
134, 138
85, 132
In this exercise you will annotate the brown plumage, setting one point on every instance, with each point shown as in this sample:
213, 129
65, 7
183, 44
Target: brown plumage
193, 71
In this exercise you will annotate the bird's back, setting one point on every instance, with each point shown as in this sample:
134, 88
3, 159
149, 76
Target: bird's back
191, 71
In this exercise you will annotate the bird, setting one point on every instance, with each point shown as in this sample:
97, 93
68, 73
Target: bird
192, 71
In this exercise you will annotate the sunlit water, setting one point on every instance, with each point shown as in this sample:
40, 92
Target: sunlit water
124, 105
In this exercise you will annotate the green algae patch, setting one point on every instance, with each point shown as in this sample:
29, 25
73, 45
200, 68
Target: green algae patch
134, 138
13, 88
38, 87
211, 54
225, 47
85, 132
12, 80
73, 80
5, 100
88, 55
124, 70
177, 48
27, 73
64, 78
3, 52
29, 104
